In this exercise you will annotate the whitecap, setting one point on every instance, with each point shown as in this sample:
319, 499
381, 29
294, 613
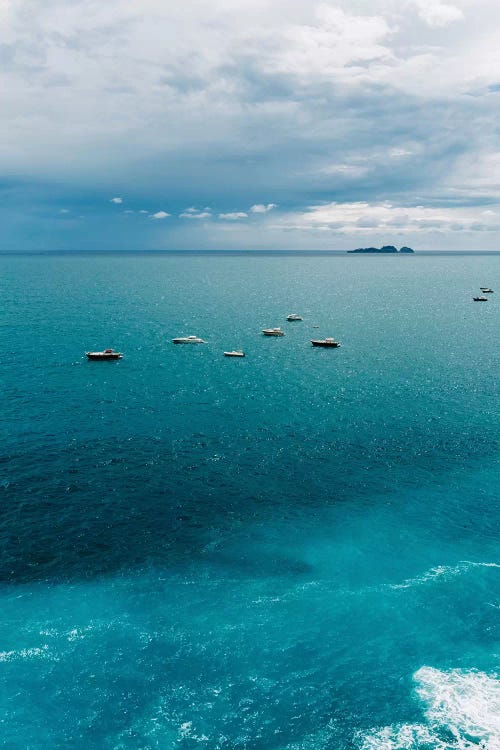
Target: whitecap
186, 731
467, 703
26, 653
462, 711
404, 737
442, 571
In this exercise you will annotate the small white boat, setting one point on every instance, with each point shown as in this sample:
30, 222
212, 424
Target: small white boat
273, 332
293, 316
188, 340
486, 290
237, 353
480, 299
107, 354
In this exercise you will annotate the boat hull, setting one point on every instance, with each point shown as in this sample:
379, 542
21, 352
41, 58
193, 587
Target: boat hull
184, 341
326, 344
102, 357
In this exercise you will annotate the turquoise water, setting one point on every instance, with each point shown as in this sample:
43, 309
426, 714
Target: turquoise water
294, 551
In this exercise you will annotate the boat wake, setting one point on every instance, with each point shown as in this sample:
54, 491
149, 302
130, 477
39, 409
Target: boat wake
462, 711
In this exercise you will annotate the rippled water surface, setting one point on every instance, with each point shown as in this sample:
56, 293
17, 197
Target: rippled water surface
296, 551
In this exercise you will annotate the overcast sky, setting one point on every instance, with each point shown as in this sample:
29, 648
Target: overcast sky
218, 124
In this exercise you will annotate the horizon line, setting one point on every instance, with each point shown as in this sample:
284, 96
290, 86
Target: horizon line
233, 253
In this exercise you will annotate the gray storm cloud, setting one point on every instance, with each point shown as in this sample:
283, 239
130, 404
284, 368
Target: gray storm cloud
242, 104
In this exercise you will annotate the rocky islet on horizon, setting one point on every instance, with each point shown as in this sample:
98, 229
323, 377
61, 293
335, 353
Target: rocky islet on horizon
385, 249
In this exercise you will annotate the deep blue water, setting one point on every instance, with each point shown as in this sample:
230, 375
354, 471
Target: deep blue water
294, 551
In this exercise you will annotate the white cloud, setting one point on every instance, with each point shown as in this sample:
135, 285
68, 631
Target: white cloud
437, 14
5, 7
234, 216
476, 174
159, 215
261, 208
358, 217
400, 153
195, 213
64, 211
116, 200
332, 42
346, 170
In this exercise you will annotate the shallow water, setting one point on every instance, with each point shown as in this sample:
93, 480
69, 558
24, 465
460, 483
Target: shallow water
295, 550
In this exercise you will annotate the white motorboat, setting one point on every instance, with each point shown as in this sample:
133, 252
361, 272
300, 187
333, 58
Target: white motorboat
273, 332
188, 340
293, 316
237, 353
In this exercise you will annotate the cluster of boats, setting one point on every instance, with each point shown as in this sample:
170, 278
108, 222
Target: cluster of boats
197, 340
484, 290
327, 343
277, 332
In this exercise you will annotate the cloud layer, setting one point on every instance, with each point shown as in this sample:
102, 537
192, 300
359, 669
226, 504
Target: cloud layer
267, 115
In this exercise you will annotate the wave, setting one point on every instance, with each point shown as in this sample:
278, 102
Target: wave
462, 711
442, 571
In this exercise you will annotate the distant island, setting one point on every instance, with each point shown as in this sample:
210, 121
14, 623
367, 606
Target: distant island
384, 249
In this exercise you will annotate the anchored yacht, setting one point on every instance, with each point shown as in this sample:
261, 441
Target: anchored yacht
329, 342
188, 340
273, 332
107, 354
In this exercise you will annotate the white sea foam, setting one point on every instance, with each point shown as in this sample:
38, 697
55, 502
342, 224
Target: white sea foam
442, 571
75, 634
405, 737
186, 731
26, 653
468, 703
462, 709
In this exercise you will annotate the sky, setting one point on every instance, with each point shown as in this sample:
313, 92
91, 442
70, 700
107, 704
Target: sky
131, 125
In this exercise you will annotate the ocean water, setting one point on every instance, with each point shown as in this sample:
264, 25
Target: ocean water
298, 550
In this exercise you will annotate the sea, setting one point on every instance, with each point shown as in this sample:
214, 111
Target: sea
298, 550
